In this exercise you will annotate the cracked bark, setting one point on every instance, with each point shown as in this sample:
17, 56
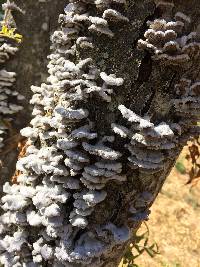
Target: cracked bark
147, 89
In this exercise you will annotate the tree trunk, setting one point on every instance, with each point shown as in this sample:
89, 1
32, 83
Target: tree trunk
146, 115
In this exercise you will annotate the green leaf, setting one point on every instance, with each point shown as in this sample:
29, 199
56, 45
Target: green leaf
150, 252
180, 167
128, 255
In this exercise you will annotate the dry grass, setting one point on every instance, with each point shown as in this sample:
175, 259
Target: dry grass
175, 224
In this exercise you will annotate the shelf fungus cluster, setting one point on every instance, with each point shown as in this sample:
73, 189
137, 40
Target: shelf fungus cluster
139, 208
187, 105
150, 145
8, 96
168, 41
67, 165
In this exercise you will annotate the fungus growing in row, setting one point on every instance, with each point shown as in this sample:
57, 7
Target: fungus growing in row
165, 39
149, 144
9, 98
67, 165
187, 105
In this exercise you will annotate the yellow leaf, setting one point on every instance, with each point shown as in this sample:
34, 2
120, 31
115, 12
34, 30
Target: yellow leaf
10, 33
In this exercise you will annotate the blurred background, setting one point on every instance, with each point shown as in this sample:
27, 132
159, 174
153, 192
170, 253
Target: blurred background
1, 12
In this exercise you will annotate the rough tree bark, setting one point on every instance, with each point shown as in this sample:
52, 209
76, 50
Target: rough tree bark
148, 89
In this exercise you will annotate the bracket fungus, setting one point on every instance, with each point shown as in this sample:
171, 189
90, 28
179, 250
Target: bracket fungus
166, 41
150, 145
187, 105
9, 98
64, 173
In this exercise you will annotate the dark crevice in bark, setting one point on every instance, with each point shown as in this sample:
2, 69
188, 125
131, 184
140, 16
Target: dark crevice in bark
148, 103
145, 69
